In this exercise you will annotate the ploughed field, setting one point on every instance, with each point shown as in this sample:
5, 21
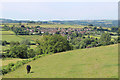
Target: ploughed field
99, 62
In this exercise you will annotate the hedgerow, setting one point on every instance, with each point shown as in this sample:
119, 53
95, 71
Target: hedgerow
13, 66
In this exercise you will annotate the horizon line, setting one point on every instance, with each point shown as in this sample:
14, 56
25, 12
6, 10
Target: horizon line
56, 19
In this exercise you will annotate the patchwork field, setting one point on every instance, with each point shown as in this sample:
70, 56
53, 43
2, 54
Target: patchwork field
45, 25
10, 36
99, 62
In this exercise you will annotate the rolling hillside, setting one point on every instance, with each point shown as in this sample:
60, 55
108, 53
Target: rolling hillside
100, 62
104, 23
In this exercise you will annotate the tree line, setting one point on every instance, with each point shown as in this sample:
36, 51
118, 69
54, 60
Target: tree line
48, 44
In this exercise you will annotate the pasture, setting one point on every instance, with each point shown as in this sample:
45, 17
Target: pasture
7, 32
45, 25
10, 36
6, 61
62, 26
49, 25
98, 36
99, 62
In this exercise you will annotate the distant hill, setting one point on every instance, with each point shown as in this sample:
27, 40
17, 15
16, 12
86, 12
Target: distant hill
103, 23
12, 21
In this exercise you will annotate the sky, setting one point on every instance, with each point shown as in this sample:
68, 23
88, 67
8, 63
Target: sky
59, 10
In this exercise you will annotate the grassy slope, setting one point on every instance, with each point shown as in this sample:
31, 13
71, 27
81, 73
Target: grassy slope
10, 60
100, 62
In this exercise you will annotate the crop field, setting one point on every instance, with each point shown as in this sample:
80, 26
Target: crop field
99, 62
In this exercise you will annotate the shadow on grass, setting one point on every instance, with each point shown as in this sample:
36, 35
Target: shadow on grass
31, 72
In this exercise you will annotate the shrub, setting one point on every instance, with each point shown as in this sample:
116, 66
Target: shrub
25, 42
13, 66
19, 51
12, 43
4, 43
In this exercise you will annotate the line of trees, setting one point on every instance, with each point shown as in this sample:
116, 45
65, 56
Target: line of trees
88, 42
47, 45
53, 44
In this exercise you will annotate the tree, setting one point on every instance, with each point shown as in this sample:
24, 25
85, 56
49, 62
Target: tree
115, 40
4, 43
105, 38
73, 35
6, 27
37, 26
53, 43
25, 42
95, 28
18, 51
31, 53
114, 29
93, 44
20, 22
12, 43
90, 25
21, 51
82, 45
80, 35
22, 26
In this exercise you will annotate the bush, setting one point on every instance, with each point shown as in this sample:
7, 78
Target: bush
7, 68
30, 53
4, 43
5, 55
25, 42
19, 51
13, 66
13, 43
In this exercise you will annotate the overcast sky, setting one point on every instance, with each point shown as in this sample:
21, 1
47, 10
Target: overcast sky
59, 10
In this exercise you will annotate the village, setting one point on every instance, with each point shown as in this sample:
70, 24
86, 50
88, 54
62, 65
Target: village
62, 31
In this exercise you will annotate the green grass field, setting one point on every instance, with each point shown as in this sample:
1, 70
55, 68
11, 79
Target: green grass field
10, 36
6, 61
46, 25
20, 37
61, 26
49, 25
100, 62
98, 36
8, 33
